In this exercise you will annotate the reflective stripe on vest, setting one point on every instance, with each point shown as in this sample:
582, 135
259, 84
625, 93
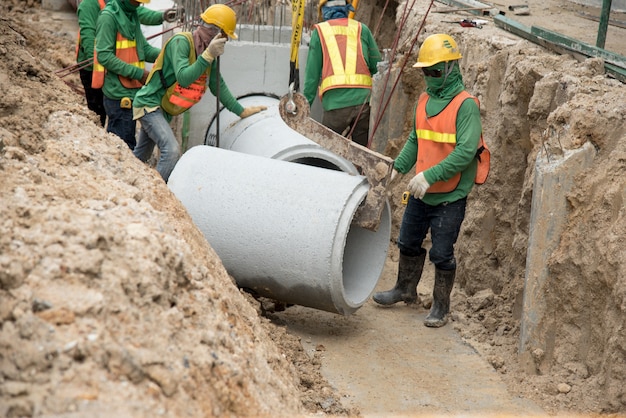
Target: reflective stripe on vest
344, 65
125, 50
185, 97
436, 138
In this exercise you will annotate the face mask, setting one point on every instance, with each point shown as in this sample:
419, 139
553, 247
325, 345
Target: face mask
435, 84
129, 6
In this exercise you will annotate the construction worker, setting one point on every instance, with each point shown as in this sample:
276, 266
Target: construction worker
445, 147
88, 12
178, 80
341, 60
121, 51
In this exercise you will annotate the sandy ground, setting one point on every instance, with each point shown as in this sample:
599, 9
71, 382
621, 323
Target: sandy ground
384, 362
112, 304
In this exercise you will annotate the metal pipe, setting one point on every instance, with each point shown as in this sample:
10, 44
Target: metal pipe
604, 23
281, 229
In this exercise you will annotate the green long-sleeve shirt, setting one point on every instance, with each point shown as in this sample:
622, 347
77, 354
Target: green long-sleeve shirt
120, 16
461, 159
176, 67
341, 97
88, 12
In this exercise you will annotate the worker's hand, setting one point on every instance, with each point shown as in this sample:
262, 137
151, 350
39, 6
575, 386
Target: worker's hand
145, 75
170, 15
418, 185
249, 111
215, 48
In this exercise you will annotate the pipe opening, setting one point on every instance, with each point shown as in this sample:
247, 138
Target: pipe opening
317, 162
364, 256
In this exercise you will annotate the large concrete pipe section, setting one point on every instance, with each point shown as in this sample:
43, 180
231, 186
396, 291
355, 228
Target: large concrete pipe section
282, 229
266, 134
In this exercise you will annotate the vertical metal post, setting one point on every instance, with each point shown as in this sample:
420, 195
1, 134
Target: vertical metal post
604, 23
217, 106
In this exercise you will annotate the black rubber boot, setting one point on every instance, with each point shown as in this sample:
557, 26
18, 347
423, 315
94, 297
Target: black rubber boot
438, 315
409, 274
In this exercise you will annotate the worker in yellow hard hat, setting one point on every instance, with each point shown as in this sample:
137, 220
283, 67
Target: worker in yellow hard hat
121, 51
178, 80
342, 57
88, 12
333, 9
447, 149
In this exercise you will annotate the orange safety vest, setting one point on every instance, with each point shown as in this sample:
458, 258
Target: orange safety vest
101, 3
436, 139
125, 50
344, 65
178, 99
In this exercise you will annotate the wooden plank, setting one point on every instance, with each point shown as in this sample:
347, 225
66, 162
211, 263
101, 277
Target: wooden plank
474, 7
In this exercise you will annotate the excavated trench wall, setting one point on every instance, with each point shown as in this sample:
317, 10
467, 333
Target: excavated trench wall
546, 233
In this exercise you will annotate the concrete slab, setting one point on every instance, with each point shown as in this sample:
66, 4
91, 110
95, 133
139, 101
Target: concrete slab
554, 178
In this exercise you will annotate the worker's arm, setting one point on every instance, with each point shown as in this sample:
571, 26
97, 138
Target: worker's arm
468, 131
177, 52
106, 34
87, 12
313, 70
150, 53
370, 49
149, 17
226, 97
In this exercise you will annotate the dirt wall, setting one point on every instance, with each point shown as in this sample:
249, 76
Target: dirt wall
112, 303
533, 100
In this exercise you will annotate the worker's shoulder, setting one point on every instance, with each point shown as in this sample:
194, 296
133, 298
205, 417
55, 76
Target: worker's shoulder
181, 40
86, 4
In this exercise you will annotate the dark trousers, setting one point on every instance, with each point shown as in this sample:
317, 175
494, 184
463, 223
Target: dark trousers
444, 222
342, 120
121, 121
94, 96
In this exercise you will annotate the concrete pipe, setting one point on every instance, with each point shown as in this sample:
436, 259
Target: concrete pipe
266, 134
284, 230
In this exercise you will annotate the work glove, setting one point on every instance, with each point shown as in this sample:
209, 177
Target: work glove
169, 15
418, 185
215, 48
249, 111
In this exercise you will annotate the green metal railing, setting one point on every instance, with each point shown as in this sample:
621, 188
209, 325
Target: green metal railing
614, 64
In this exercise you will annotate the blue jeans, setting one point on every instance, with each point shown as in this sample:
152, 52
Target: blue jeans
121, 121
94, 97
156, 130
444, 222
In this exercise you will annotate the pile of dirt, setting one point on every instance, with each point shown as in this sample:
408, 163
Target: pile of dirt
111, 301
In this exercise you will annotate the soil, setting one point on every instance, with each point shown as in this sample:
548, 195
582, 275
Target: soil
112, 303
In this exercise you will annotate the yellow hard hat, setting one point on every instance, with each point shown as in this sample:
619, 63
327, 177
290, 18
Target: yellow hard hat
437, 48
143, 1
221, 16
329, 3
